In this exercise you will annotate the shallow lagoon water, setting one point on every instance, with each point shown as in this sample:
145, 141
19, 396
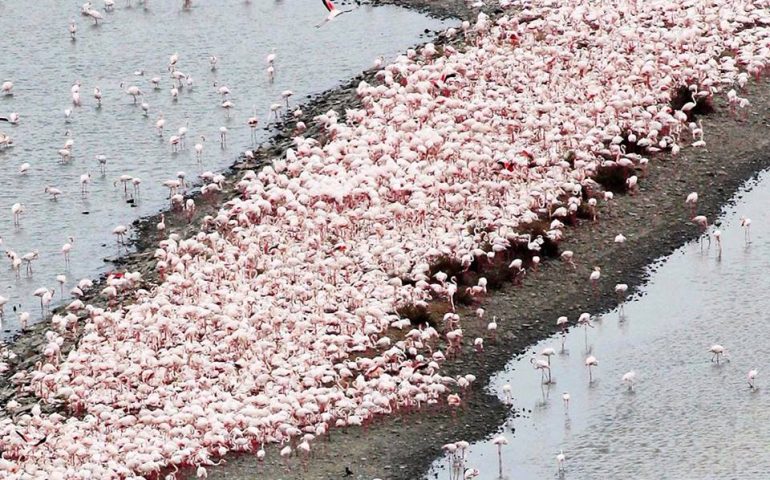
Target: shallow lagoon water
43, 63
687, 417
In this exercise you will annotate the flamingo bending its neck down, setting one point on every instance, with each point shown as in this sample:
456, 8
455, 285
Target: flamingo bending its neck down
718, 351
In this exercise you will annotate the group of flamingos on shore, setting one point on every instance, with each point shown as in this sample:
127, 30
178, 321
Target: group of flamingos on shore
277, 322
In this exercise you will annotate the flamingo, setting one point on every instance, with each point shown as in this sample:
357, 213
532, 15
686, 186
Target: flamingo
45, 295
102, 159
691, 201
28, 258
66, 249
751, 376
17, 209
161, 226
560, 459
543, 367
174, 141
275, 108
98, 96
120, 233
53, 192
172, 61
12, 118
132, 90
73, 29
594, 278
746, 225
85, 179
286, 94
629, 378
7, 88
160, 124
702, 223
253, 122
590, 363
499, 441
333, 12
199, 148
95, 15
548, 352
227, 105
717, 351
620, 291
562, 322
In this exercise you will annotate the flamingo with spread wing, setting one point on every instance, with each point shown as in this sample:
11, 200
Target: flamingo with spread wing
333, 12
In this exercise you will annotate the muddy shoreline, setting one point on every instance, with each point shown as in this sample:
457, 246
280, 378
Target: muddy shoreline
654, 220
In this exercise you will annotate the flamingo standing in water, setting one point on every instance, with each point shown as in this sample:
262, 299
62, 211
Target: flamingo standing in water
746, 224
590, 363
17, 209
12, 118
333, 12
132, 90
500, 441
620, 291
253, 122
751, 376
542, 365
66, 249
718, 351
95, 15
160, 123
560, 458
629, 378
199, 148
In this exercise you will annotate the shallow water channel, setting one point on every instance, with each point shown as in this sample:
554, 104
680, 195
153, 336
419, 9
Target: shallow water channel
131, 46
686, 417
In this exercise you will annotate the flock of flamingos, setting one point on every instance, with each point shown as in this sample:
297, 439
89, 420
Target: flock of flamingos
277, 321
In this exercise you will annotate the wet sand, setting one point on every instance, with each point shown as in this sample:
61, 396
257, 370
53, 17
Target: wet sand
655, 222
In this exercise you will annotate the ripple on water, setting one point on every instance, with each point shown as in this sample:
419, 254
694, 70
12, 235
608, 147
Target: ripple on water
43, 63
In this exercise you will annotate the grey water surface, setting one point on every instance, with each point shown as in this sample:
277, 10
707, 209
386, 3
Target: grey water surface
38, 56
687, 417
